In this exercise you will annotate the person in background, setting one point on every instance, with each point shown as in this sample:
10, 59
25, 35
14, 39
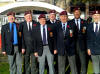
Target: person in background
53, 22
11, 44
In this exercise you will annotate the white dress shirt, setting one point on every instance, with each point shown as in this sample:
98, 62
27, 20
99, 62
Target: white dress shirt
79, 22
30, 25
94, 24
63, 25
53, 21
41, 28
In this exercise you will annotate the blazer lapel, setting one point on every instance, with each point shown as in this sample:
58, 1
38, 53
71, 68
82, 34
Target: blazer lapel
92, 28
39, 29
25, 26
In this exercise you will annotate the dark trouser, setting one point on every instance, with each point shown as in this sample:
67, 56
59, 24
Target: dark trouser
30, 64
96, 63
61, 64
72, 63
15, 62
50, 59
81, 58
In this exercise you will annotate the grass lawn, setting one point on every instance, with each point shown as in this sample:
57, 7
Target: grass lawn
4, 68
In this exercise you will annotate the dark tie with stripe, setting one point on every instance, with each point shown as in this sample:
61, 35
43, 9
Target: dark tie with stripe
30, 28
64, 29
44, 36
96, 29
77, 25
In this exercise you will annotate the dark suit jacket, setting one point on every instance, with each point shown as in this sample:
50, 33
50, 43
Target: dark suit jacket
7, 45
27, 39
79, 35
93, 40
50, 36
66, 44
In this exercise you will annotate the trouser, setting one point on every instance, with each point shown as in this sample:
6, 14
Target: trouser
15, 62
30, 64
96, 63
46, 54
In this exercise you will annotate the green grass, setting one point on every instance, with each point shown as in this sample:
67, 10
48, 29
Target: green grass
4, 68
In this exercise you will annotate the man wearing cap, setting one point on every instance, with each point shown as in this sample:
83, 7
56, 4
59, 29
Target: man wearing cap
45, 45
11, 45
27, 30
80, 25
93, 41
66, 44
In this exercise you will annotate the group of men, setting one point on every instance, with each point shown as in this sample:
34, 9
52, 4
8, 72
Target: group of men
50, 40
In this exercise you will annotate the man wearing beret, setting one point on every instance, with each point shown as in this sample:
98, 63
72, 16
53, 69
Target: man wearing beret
45, 45
27, 30
80, 25
93, 41
52, 17
66, 44
11, 45
53, 22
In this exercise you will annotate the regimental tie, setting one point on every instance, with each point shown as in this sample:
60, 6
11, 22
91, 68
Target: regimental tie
77, 25
64, 29
44, 36
96, 29
30, 30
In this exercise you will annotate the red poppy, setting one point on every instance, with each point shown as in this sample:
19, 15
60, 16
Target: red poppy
82, 22
68, 26
49, 29
34, 24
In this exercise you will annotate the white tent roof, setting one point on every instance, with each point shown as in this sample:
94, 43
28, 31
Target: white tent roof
22, 6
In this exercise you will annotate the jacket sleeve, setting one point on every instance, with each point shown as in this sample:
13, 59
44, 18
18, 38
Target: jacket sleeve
3, 39
88, 38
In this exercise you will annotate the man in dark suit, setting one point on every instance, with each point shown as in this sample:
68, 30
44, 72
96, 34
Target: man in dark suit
45, 44
93, 41
53, 22
80, 40
27, 30
66, 44
11, 44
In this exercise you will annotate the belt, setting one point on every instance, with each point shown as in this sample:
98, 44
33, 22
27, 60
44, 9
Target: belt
15, 45
45, 45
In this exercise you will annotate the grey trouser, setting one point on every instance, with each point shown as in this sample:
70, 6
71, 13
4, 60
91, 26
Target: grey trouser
15, 62
96, 63
46, 54
82, 58
61, 64
72, 63
30, 64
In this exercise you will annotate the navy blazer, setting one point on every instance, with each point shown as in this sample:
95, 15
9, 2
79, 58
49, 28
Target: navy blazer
66, 44
79, 35
51, 39
93, 40
7, 45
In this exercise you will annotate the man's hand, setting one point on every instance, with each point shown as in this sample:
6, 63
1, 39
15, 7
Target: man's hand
4, 53
23, 51
36, 54
55, 51
89, 52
